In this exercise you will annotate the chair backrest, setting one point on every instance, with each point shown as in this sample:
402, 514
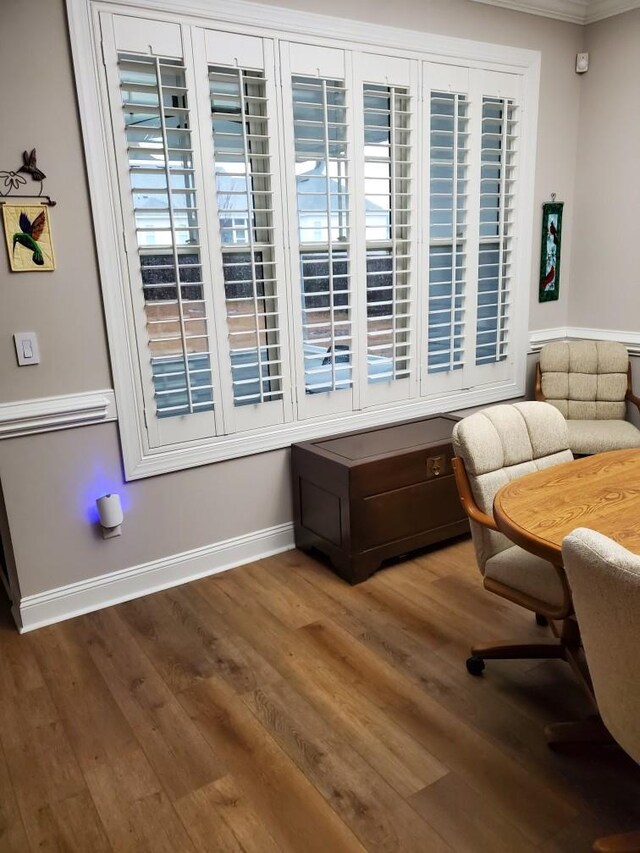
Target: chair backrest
500, 444
605, 581
585, 380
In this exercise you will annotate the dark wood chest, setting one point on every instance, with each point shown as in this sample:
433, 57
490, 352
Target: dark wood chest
364, 497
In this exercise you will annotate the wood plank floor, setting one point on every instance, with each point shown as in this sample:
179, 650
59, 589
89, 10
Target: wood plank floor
275, 708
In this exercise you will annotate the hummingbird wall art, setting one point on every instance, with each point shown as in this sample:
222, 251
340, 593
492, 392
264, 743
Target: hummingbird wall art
28, 237
26, 226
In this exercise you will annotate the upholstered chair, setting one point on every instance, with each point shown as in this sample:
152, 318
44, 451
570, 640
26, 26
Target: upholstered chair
491, 448
605, 581
589, 382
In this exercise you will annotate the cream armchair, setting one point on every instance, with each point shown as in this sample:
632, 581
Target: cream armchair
605, 581
493, 447
589, 382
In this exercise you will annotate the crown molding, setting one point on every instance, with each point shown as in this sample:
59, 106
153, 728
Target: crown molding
572, 11
598, 10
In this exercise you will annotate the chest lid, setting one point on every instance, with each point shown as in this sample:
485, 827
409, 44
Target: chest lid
390, 440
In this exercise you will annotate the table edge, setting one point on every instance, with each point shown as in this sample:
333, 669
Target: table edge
543, 548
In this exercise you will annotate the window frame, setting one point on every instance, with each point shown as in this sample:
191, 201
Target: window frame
140, 458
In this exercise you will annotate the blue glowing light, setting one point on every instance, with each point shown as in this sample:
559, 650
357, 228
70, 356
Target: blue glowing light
101, 482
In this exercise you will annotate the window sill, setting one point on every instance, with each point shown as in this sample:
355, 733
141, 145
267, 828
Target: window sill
139, 463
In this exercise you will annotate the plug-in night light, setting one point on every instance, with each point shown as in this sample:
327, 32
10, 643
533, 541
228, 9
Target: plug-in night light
110, 514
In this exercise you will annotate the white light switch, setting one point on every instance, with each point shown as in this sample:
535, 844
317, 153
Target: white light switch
27, 348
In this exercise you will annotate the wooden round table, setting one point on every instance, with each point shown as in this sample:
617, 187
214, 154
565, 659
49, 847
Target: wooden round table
538, 510
601, 492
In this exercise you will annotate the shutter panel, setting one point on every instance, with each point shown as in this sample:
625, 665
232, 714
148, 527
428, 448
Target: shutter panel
447, 106
472, 139
250, 267
385, 123
448, 183
497, 188
496, 98
318, 116
159, 183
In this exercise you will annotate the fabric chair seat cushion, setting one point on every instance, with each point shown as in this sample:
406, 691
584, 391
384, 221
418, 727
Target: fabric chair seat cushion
598, 436
526, 573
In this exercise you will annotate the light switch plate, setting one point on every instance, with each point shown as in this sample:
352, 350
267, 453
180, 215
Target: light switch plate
27, 349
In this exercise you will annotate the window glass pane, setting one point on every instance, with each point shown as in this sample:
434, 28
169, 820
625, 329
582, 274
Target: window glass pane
326, 321
240, 127
158, 137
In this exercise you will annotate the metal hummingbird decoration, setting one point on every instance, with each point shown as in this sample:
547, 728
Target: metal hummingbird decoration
14, 179
29, 165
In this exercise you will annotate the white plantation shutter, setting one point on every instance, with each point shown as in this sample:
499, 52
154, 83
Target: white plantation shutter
306, 233
320, 180
249, 235
496, 141
472, 164
154, 126
497, 190
386, 198
449, 196
448, 248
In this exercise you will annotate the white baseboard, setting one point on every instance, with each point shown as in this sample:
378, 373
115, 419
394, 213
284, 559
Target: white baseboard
55, 605
540, 337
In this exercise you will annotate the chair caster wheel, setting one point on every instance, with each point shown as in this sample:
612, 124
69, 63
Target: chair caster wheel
541, 620
475, 665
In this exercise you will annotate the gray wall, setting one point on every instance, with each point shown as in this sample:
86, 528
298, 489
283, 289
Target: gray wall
605, 291
50, 481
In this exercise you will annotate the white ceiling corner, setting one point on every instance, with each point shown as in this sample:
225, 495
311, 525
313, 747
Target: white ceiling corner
574, 11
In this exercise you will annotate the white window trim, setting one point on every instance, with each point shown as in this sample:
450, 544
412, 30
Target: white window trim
241, 16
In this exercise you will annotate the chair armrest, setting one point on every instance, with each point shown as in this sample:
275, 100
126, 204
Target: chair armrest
538, 390
630, 396
466, 496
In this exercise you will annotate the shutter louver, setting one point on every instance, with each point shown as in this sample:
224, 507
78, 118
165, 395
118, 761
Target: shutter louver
449, 149
387, 198
243, 176
497, 187
161, 173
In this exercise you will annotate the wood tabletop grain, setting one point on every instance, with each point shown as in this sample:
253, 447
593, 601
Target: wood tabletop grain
601, 492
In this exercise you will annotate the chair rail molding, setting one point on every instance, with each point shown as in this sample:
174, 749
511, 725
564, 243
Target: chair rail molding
539, 337
55, 605
45, 414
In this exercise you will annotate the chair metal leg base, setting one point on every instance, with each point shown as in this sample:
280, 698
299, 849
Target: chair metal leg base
629, 842
519, 651
511, 651
578, 735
